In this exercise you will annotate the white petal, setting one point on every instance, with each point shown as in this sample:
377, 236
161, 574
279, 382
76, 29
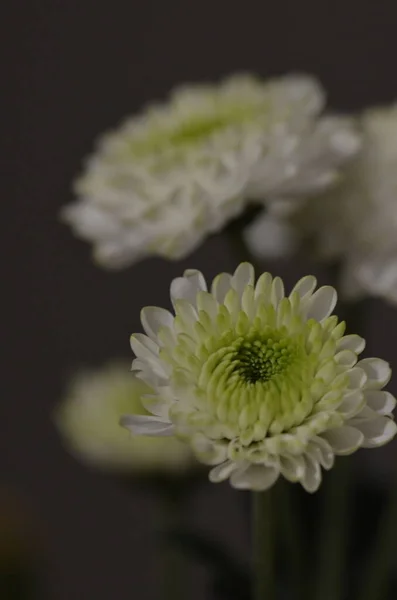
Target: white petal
323, 452
346, 358
377, 370
357, 378
197, 278
351, 342
330, 400
322, 303
117, 254
343, 440
141, 348
292, 467
248, 301
148, 374
90, 221
327, 371
147, 342
377, 274
155, 405
305, 286
221, 285
305, 91
167, 338
147, 425
208, 451
277, 293
187, 287
312, 477
244, 275
381, 402
256, 477
185, 313
365, 414
139, 365
263, 285
153, 318
151, 366
222, 471
207, 303
377, 432
351, 404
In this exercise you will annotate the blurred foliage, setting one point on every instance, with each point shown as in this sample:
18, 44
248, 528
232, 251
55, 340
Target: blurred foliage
20, 549
230, 579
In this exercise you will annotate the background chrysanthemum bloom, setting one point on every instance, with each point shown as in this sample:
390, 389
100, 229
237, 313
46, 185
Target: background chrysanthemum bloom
355, 222
88, 420
257, 382
165, 179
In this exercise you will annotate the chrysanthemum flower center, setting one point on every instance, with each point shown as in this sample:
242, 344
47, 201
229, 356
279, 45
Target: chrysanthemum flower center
254, 385
193, 130
261, 359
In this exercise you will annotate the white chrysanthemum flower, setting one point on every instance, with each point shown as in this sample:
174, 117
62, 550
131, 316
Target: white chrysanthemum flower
359, 221
88, 420
355, 221
170, 176
259, 383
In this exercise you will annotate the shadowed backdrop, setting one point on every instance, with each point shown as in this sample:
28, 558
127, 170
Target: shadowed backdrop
74, 69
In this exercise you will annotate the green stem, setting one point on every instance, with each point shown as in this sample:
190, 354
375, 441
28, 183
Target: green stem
383, 553
290, 523
263, 575
172, 562
332, 547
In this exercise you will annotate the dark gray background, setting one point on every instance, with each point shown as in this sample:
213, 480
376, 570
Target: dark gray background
72, 69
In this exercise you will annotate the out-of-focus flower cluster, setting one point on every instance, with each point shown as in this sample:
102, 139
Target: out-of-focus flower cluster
165, 179
88, 419
259, 383
355, 222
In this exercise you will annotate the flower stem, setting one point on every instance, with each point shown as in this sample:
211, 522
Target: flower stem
332, 534
173, 565
290, 523
263, 575
383, 552
332, 546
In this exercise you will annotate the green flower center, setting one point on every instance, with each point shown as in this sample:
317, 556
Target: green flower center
255, 385
200, 127
193, 130
261, 359
246, 378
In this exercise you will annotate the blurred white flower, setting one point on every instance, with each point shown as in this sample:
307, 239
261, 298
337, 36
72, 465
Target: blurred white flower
271, 237
260, 384
88, 420
165, 179
360, 220
304, 158
356, 221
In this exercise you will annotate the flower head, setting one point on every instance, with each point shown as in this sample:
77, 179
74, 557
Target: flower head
165, 179
257, 382
88, 420
355, 221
